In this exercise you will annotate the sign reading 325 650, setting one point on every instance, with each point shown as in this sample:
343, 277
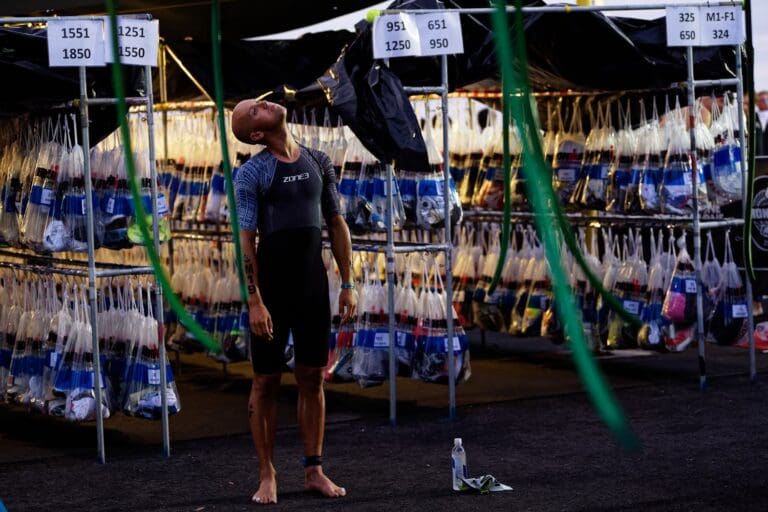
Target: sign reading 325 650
440, 34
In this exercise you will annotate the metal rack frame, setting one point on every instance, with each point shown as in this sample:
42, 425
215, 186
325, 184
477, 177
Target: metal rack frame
83, 103
696, 224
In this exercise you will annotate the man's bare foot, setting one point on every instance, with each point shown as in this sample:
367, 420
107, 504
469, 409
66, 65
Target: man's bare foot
315, 480
267, 492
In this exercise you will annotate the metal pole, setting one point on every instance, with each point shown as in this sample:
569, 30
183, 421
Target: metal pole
156, 241
696, 224
90, 219
744, 188
391, 297
448, 254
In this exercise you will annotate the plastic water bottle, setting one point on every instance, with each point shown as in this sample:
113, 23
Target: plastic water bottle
458, 464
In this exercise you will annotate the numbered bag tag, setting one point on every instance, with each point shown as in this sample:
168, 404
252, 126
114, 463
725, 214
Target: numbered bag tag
722, 26
683, 26
137, 41
440, 34
75, 43
395, 35
739, 311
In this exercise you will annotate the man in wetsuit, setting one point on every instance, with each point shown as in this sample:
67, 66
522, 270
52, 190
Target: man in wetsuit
282, 193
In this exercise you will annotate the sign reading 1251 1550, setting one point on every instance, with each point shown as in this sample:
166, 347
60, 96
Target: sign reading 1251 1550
137, 41
75, 43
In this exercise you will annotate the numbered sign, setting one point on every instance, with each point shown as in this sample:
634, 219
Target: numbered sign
722, 26
137, 41
395, 35
75, 43
705, 26
683, 26
440, 34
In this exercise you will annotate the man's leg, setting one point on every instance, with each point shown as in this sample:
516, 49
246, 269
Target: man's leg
311, 413
262, 417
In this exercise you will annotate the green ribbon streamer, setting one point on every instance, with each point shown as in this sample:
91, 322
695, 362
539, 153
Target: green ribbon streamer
122, 116
542, 199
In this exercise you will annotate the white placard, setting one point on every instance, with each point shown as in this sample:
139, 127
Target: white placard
683, 26
381, 340
721, 26
137, 41
395, 35
690, 286
632, 306
456, 344
75, 43
740, 311
440, 34
153, 376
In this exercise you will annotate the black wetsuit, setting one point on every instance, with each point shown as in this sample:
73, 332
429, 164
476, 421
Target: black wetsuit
286, 202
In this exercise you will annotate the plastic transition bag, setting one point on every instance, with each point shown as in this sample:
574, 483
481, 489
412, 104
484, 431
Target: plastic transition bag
407, 311
651, 146
431, 196
430, 362
569, 148
726, 158
680, 301
728, 323
143, 386
621, 172
631, 289
596, 177
370, 358
652, 333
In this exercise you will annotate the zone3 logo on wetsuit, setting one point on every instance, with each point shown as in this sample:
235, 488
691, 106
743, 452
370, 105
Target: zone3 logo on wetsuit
285, 202
297, 177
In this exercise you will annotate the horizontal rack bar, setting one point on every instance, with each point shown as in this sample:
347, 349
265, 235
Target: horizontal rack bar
52, 260
79, 272
424, 90
723, 82
565, 8
134, 271
675, 220
133, 100
46, 19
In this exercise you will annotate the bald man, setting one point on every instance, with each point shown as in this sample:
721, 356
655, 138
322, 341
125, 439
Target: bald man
283, 193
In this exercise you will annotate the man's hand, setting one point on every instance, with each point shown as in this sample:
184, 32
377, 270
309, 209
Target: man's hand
347, 304
260, 320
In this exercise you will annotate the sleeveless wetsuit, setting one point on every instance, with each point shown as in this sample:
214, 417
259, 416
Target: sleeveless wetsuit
286, 202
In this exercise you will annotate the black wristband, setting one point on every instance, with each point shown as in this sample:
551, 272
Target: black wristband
312, 460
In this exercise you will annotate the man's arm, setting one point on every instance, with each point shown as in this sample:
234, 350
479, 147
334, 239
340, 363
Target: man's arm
259, 317
341, 247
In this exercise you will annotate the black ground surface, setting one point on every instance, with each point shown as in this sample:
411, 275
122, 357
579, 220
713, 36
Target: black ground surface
523, 418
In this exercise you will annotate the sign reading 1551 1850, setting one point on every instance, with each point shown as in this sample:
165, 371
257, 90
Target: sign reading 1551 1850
75, 43
416, 35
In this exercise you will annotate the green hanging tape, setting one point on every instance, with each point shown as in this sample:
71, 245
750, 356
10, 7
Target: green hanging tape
542, 196
141, 215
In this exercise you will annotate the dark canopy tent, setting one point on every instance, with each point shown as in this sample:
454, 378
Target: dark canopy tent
582, 51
